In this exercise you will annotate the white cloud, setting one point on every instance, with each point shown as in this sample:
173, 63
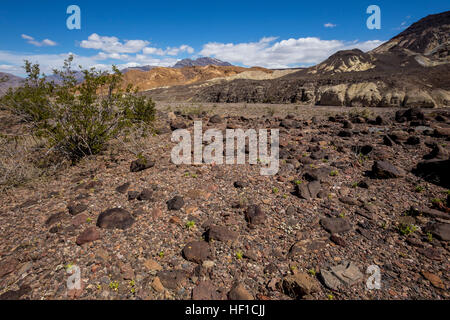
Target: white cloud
12, 62
112, 44
330, 25
171, 51
45, 42
27, 37
282, 54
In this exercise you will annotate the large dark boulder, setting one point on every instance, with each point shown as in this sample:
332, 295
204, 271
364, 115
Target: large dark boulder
434, 171
115, 218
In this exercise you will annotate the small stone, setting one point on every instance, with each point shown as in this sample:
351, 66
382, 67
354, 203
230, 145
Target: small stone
255, 215
238, 292
156, 213
55, 218
441, 231
205, 290
329, 280
152, 265
7, 266
197, 251
115, 218
385, 170
145, 195
299, 285
157, 285
127, 271
79, 219
133, 195
215, 119
220, 233
434, 279
336, 225
240, 184
175, 203
123, 188
172, 279
75, 209
88, 235
338, 240
348, 200
140, 164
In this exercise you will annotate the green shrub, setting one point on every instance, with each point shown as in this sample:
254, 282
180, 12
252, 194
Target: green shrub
31, 101
79, 119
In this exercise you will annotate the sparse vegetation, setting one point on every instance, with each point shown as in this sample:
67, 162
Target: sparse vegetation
363, 112
114, 285
419, 189
78, 119
190, 224
406, 229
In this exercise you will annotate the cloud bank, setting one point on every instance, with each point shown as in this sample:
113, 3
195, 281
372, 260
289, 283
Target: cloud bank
270, 53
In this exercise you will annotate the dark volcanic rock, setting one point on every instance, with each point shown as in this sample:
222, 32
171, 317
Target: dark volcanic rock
220, 233
438, 153
176, 203
133, 195
146, 194
336, 225
88, 235
385, 170
123, 188
197, 251
16, 294
215, 119
240, 184
115, 218
205, 290
172, 279
177, 125
299, 285
434, 171
141, 164
75, 209
255, 215
441, 231
409, 115
308, 190
55, 218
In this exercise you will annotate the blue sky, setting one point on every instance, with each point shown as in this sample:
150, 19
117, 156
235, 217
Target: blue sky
265, 33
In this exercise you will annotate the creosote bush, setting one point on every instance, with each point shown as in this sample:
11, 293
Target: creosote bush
79, 119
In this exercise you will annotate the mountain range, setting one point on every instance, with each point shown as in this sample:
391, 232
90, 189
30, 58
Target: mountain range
411, 69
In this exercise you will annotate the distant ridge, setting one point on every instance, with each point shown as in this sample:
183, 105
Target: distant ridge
201, 62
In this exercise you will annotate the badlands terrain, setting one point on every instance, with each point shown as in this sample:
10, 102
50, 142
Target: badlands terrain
363, 185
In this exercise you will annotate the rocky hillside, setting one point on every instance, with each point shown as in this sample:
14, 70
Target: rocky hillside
201, 62
354, 190
429, 37
11, 81
403, 72
166, 77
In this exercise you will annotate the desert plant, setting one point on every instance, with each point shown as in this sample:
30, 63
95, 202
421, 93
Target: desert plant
79, 119
406, 229
31, 101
